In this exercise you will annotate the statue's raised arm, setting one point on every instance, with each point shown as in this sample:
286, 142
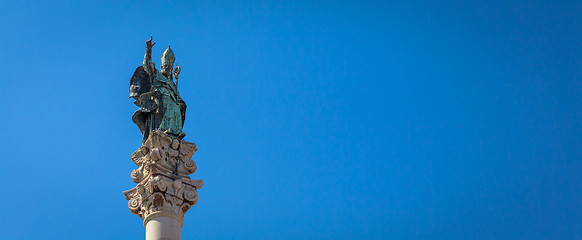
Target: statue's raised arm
148, 65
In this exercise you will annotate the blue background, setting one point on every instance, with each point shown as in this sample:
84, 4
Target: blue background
313, 120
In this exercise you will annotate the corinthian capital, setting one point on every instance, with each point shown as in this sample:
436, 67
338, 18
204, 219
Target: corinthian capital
164, 187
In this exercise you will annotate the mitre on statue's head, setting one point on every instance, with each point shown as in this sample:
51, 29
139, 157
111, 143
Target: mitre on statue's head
168, 57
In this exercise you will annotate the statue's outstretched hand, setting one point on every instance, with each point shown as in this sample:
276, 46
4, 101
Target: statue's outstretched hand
149, 43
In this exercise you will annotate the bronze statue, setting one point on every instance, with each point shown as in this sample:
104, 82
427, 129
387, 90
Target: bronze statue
156, 94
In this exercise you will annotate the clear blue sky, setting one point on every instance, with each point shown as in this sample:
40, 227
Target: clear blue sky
313, 120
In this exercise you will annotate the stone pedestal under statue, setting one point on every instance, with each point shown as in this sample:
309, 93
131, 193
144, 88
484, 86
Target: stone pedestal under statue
164, 190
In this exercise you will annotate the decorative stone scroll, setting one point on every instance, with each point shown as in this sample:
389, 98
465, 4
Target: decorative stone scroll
164, 188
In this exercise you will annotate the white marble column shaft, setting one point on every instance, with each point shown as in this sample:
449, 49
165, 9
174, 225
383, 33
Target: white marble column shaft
163, 228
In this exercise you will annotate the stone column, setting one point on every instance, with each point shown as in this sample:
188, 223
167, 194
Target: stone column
164, 190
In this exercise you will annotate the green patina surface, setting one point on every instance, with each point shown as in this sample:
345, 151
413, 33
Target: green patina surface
171, 120
157, 96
